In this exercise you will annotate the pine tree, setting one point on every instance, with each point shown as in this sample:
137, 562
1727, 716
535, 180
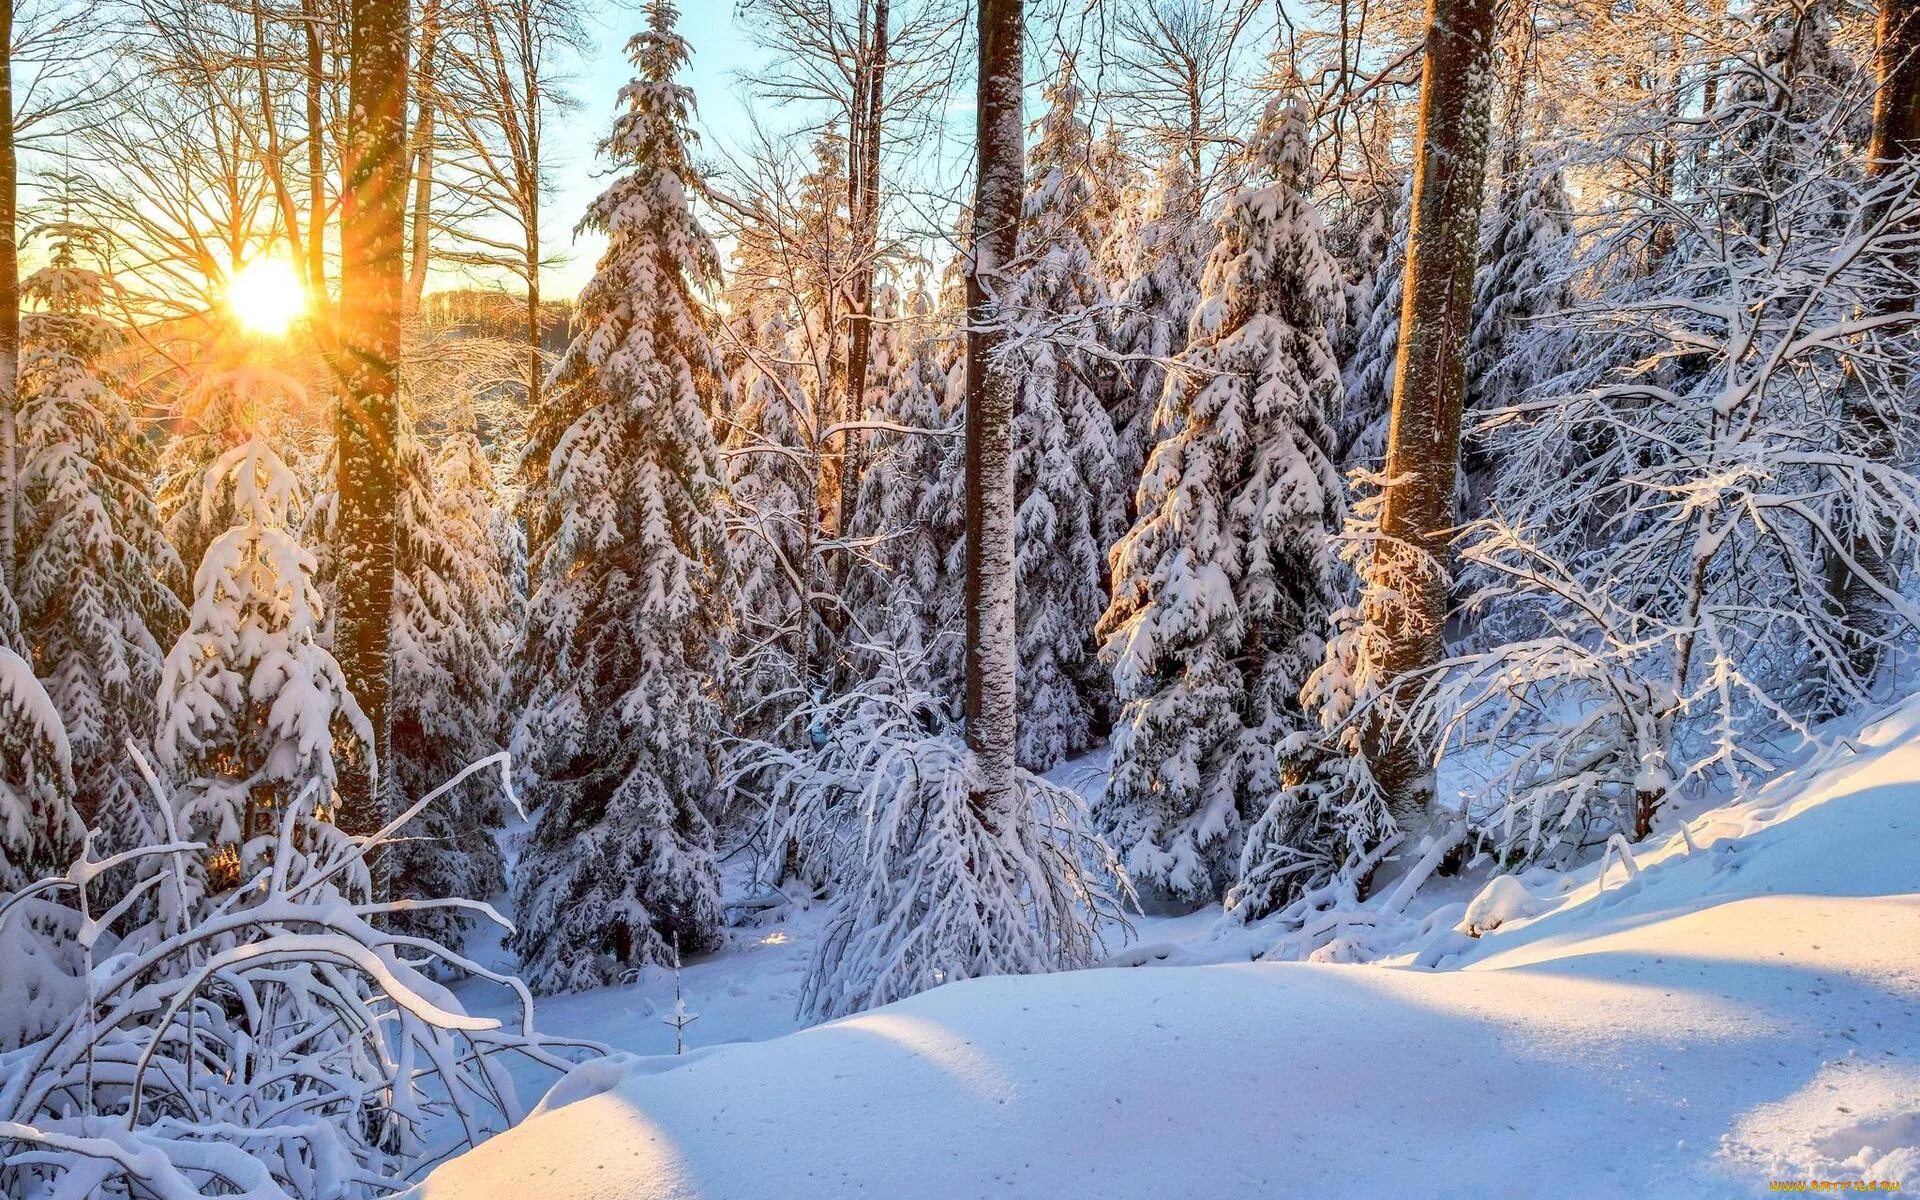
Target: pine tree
1225, 585
1064, 454
1368, 372
896, 597
96, 577
625, 623
771, 526
40, 830
251, 704
1170, 251
454, 628
1522, 283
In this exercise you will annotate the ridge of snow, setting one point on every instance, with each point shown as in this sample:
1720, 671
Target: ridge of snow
1742, 1007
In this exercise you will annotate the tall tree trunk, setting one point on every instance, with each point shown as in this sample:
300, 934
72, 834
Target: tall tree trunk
426, 105
1423, 434
989, 430
9, 312
870, 104
1866, 425
316, 156
372, 270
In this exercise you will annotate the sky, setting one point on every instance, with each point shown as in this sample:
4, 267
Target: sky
720, 54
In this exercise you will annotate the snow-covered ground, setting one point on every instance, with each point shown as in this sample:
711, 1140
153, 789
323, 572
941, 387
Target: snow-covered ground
1746, 1009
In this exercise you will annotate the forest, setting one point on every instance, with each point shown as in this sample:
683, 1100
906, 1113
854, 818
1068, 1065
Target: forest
522, 516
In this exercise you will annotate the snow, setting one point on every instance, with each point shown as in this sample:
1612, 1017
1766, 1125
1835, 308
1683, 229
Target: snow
1746, 1008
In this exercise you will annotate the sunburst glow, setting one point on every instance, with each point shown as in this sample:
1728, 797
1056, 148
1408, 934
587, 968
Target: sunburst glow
265, 296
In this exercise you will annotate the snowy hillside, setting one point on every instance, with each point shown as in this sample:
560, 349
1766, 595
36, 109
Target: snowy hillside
1747, 1011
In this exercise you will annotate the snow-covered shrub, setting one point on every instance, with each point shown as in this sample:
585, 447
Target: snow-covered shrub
925, 890
282, 1043
1655, 571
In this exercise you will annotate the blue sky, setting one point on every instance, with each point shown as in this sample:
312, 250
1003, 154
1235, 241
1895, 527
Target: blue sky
720, 54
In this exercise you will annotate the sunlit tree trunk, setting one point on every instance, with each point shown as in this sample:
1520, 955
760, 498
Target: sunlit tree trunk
9, 309
863, 162
372, 282
989, 429
310, 17
1423, 437
1868, 426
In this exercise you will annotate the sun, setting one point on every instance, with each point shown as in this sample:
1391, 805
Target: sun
266, 297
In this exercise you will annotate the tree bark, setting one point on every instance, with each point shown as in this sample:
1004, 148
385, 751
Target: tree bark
316, 156
998, 179
1423, 434
9, 312
423, 134
372, 287
864, 193
1866, 425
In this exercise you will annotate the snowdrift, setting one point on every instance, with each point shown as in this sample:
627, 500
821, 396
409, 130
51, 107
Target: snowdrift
1744, 1009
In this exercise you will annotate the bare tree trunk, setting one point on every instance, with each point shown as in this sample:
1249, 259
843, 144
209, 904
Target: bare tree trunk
1423, 437
1866, 425
864, 194
989, 430
372, 269
274, 162
9, 312
529, 177
423, 134
316, 156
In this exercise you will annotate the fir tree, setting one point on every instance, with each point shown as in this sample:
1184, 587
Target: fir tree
895, 599
1064, 465
96, 578
1368, 373
40, 830
251, 704
455, 626
1170, 250
1224, 586
625, 627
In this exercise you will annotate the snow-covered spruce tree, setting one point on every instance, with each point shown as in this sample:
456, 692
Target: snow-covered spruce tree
96, 578
1792, 99
626, 630
1523, 281
38, 823
1224, 588
952, 862
251, 704
894, 598
222, 409
1156, 309
455, 624
1117, 209
1360, 236
1367, 374
455, 627
1065, 474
